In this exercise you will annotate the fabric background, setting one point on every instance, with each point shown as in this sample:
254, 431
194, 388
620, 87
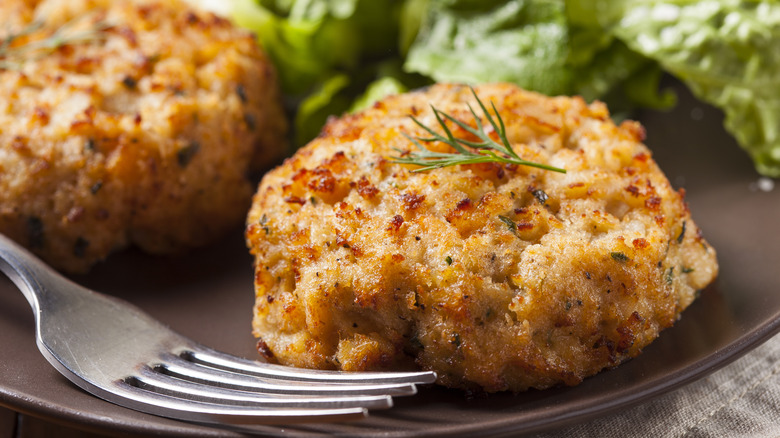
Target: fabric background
740, 400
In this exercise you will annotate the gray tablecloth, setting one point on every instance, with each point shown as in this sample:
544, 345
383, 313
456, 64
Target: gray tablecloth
740, 400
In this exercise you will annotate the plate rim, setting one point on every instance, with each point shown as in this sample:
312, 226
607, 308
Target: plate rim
552, 418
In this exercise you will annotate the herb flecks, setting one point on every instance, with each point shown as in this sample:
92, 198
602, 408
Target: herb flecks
466, 152
509, 223
681, 236
619, 256
17, 48
670, 276
541, 196
264, 225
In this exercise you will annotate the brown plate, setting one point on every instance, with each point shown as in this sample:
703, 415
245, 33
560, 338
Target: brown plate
208, 296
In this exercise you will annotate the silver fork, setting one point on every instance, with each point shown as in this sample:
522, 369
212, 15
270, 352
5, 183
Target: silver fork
116, 352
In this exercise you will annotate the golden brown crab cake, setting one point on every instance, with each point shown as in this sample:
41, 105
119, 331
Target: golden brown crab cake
494, 276
142, 132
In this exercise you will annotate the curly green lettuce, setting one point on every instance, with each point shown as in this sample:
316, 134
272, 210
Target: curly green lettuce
326, 51
727, 52
552, 47
335, 56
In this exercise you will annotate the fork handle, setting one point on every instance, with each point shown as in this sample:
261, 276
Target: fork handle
26, 271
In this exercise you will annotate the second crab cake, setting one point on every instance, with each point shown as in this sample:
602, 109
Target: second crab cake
139, 130
499, 277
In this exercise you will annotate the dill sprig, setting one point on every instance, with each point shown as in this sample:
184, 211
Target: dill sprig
13, 56
466, 152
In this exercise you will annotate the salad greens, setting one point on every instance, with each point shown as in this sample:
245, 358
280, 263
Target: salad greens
342, 55
728, 53
549, 46
328, 51
516, 41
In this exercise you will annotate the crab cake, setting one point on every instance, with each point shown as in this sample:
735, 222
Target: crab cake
139, 131
498, 277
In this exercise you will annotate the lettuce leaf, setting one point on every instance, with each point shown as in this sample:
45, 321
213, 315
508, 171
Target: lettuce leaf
376, 91
311, 41
341, 55
326, 51
524, 42
552, 47
727, 53
326, 100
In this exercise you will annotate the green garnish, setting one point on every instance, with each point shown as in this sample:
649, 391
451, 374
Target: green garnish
264, 225
619, 256
670, 276
682, 233
509, 223
466, 152
448, 260
13, 56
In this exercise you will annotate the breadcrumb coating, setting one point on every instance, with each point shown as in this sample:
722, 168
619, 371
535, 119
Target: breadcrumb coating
142, 134
497, 277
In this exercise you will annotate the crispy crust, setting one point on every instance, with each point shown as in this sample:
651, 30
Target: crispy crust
497, 277
143, 136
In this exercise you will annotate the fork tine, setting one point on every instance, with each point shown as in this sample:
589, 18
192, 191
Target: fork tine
109, 348
128, 395
175, 366
224, 361
150, 380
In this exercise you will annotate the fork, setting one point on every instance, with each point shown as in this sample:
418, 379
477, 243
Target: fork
120, 354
